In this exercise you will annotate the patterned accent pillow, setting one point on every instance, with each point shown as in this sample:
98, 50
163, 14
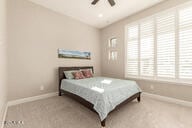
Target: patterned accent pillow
78, 75
87, 69
87, 73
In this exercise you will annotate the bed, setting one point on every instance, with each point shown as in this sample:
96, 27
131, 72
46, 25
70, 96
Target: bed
100, 94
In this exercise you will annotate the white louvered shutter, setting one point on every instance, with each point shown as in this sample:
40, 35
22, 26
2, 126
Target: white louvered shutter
147, 48
132, 51
185, 43
166, 45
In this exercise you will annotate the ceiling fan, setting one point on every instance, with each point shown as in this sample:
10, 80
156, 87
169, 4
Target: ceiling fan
111, 2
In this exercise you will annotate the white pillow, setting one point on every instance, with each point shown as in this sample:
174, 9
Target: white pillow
69, 75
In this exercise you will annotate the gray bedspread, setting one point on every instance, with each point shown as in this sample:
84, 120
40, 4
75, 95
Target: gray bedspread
104, 93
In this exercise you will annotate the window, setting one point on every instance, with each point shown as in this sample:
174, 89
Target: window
166, 45
113, 42
113, 55
112, 49
147, 48
160, 47
185, 43
132, 50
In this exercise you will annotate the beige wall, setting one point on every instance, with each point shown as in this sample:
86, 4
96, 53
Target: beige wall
116, 69
3, 58
35, 33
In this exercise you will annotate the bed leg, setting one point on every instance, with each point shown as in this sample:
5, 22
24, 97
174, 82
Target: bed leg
103, 123
59, 93
139, 98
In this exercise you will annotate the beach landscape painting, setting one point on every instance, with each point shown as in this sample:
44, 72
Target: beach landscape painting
73, 54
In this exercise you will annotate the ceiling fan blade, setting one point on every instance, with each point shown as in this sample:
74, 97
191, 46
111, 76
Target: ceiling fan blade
112, 2
94, 2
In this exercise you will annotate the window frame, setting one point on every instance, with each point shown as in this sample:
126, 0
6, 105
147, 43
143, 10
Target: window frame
175, 80
112, 49
111, 57
110, 42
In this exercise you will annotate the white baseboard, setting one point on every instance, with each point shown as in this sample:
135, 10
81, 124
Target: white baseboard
4, 116
154, 96
168, 99
30, 99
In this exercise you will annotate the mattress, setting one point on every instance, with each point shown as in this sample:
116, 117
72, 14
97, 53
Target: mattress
104, 93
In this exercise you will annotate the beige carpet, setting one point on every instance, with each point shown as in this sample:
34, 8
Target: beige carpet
63, 112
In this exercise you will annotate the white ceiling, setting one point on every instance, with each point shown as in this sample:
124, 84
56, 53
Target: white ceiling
83, 10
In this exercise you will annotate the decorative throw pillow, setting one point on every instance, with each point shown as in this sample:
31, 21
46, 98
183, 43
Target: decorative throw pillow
90, 69
87, 73
69, 75
78, 75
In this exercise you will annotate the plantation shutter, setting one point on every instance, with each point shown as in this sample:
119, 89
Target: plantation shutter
185, 43
132, 50
147, 48
166, 45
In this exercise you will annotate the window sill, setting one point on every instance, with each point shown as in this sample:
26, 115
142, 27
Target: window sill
161, 81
